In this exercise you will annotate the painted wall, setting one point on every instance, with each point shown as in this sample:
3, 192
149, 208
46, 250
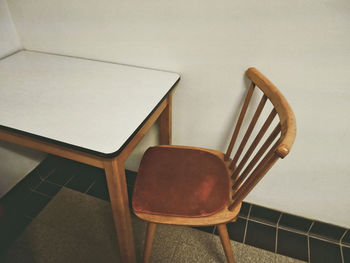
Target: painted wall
302, 46
15, 161
8, 35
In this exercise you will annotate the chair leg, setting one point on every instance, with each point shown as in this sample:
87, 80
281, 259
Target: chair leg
225, 240
151, 229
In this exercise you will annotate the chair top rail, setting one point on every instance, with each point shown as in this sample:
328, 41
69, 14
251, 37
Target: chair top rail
284, 111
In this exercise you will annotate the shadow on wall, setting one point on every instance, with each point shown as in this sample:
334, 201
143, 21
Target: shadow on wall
20, 150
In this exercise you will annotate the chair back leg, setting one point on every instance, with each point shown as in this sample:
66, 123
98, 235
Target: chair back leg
225, 240
151, 229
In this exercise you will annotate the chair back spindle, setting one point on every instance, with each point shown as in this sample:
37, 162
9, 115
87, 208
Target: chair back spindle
254, 144
240, 121
249, 170
249, 130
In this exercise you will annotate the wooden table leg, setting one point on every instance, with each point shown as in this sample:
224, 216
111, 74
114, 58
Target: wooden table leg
116, 181
165, 122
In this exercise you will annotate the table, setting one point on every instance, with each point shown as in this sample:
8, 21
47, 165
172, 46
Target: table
89, 111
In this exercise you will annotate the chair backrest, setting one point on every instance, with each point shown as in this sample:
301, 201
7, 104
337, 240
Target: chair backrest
256, 161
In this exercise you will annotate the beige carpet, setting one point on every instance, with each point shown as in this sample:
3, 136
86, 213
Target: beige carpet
75, 227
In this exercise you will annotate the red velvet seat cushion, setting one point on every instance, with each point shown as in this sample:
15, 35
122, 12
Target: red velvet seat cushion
178, 181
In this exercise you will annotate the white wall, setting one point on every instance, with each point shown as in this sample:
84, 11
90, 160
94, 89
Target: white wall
15, 161
302, 46
8, 36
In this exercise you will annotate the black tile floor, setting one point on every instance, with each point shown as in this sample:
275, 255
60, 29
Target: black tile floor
282, 233
333, 233
261, 236
346, 238
292, 244
294, 222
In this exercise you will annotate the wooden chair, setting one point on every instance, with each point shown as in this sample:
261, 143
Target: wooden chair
192, 186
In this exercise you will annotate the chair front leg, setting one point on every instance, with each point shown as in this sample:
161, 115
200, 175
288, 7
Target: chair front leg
151, 229
225, 240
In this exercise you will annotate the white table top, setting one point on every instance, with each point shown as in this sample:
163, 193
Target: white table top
90, 104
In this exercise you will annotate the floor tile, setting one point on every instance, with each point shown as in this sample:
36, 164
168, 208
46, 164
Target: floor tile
11, 227
285, 259
60, 176
292, 244
163, 253
32, 180
82, 215
237, 248
48, 189
171, 244
208, 250
99, 188
166, 239
263, 214
77, 226
236, 229
327, 231
81, 181
180, 234
46, 244
186, 253
34, 204
346, 254
244, 209
251, 254
47, 166
15, 197
139, 231
130, 177
346, 238
78, 168
208, 229
190, 236
261, 236
295, 222
324, 252
130, 192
